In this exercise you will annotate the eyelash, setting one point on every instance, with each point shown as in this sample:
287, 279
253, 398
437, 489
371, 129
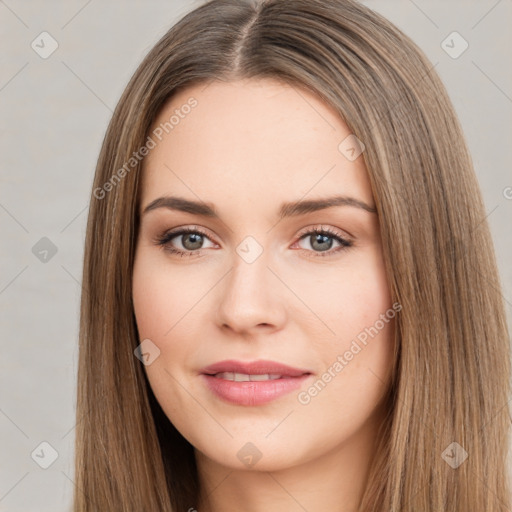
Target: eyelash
163, 241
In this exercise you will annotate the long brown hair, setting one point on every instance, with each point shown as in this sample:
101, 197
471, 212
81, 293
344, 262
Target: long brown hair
451, 379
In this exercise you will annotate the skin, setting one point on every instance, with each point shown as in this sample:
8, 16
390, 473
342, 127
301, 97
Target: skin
247, 147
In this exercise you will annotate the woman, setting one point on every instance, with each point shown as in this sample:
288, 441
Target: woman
290, 296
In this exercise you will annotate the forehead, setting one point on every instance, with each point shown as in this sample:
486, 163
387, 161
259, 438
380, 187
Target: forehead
256, 139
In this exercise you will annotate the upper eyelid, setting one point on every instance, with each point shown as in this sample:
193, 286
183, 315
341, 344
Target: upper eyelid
334, 232
182, 230
323, 227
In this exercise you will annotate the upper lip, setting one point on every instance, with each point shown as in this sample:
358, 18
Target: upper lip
260, 367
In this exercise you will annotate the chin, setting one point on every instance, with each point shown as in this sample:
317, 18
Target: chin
254, 455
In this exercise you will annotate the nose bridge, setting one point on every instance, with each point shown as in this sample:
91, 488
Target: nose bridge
249, 297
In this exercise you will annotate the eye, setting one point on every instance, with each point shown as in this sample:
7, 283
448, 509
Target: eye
191, 242
321, 240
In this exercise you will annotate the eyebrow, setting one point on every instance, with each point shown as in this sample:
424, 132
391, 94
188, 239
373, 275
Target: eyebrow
290, 209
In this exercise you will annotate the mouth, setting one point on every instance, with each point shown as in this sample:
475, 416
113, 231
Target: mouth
271, 369
244, 377
254, 383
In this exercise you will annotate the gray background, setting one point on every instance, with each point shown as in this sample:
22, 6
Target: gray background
53, 115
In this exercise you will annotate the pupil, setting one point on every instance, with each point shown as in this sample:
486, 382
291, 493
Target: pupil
196, 244
322, 239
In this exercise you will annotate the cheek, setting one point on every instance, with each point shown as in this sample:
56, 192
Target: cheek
165, 301
348, 297
354, 380
358, 358
368, 330
161, 298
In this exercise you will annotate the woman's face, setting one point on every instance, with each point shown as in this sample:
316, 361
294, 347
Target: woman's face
241, 166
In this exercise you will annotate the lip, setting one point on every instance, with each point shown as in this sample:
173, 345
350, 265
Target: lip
253, 393
259, 367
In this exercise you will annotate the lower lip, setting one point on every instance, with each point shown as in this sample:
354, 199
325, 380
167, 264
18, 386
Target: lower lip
253, 392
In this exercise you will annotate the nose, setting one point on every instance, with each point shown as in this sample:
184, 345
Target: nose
252, 298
